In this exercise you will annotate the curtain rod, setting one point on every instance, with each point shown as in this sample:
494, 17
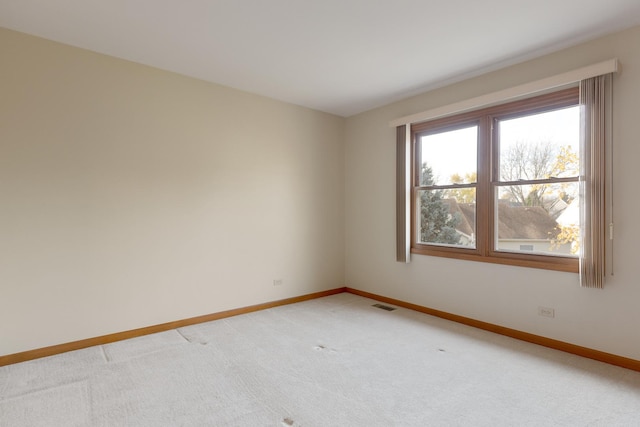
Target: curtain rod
486, 100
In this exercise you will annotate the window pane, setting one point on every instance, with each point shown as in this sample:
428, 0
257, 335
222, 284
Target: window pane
447, 217
538, 218
540, 146
449, 157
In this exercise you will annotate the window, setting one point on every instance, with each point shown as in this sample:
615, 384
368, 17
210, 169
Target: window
500, 184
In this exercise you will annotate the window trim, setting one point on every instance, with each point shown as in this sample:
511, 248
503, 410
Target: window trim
486, 171
526, 90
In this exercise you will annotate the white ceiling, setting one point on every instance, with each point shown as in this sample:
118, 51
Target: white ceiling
338, 56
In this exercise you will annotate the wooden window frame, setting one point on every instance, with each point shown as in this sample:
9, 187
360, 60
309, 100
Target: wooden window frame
487, 174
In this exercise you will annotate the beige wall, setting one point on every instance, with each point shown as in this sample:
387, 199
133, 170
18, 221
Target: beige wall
132, 196
606, 319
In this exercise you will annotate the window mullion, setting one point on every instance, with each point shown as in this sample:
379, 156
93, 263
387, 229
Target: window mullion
484, 198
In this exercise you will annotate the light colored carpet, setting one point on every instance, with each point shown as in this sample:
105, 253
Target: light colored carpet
334, 361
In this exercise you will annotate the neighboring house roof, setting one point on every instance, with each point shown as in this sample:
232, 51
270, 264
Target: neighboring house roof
514, 222
525, 222
467, 214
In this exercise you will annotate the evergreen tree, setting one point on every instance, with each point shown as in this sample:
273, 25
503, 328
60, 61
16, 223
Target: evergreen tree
436, 225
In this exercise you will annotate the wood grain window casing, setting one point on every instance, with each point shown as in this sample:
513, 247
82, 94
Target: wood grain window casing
487, 174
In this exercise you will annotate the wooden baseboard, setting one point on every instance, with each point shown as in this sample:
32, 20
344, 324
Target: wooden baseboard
600, 356
106, 339
524, 336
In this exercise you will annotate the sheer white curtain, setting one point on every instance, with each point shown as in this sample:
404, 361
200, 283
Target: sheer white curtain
595, 97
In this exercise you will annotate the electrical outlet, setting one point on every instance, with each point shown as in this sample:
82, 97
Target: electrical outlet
278, 282
546, 312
